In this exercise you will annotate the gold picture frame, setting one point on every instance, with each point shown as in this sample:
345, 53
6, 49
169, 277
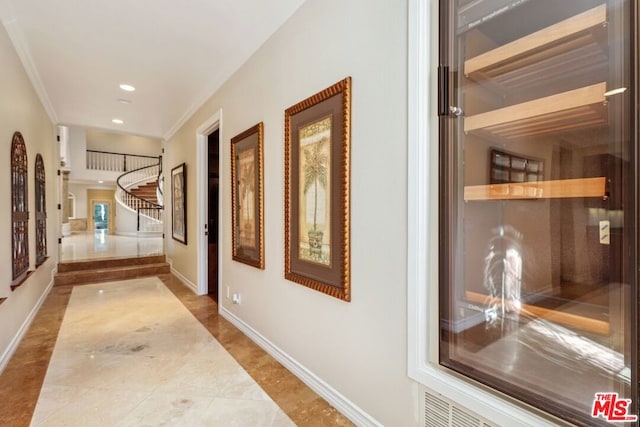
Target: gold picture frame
317, 191
247, 219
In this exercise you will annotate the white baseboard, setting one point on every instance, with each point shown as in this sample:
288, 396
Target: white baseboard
188, 283
13, 345
340, 402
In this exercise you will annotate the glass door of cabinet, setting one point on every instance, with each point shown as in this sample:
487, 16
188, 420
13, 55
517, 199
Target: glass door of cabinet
538, 200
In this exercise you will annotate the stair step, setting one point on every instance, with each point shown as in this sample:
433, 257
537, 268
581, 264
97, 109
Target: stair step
94, 264
110, 273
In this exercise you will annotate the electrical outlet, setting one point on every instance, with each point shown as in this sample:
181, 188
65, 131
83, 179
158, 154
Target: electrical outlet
228, 291
236, 298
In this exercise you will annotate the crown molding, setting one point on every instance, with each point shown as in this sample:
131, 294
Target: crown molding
195, 106
21, 46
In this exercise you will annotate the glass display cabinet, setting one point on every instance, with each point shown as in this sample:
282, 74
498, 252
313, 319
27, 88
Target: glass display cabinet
538, 200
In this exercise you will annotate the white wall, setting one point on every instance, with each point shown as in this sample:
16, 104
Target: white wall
77, 143
77, 165
357, 348
21, 110
81, 140
122, 143
80, 191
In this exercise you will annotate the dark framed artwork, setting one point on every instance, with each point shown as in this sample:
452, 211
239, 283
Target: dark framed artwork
19, 210
41, 212
317, 191
179, 203
247, 223
513, 168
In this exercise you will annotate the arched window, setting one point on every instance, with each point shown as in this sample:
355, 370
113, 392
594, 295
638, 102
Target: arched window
41, 213
20, 209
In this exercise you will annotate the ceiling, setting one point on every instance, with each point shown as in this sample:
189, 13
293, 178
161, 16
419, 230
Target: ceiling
176, 55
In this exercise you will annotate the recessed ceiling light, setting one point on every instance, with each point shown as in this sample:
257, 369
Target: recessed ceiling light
118, 121
128, 88
124, 101
100, 182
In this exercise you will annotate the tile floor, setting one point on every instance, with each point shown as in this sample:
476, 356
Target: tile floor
130, 354
243, 387
101, 244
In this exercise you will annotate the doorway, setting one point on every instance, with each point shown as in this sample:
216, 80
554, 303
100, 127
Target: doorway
101, 215
100, 210
213, 173
212, 125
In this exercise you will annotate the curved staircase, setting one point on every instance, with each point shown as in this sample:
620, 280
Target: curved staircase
147, 191
140, 212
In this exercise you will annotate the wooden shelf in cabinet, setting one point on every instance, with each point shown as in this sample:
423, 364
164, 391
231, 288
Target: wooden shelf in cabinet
573, 44
575, 109
556, 189
579, 321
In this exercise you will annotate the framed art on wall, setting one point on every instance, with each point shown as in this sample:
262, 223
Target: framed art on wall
247, 197
508, 167
317, 180
179, 203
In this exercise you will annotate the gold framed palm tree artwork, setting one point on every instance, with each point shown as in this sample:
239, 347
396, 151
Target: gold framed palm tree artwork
247, 197
317, 153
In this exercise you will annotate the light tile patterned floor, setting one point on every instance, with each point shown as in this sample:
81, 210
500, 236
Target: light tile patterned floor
131, 354
100, 244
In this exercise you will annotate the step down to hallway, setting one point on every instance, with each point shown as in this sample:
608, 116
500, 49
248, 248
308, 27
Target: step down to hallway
104, 270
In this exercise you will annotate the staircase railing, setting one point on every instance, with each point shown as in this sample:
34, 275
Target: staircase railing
160, 183
118, 162
149, 214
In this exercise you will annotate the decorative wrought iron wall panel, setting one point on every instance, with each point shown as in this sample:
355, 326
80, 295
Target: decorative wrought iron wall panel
41, 212
20, 208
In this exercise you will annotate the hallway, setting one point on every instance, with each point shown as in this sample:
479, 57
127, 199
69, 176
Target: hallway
87, 83
79, 367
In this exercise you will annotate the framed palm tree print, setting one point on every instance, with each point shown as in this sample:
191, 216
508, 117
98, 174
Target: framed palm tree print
317, 153
246, 197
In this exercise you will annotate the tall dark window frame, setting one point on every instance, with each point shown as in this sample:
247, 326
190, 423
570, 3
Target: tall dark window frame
41, 212
20, 210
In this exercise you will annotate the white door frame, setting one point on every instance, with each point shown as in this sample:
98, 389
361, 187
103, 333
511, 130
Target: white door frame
202, 159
